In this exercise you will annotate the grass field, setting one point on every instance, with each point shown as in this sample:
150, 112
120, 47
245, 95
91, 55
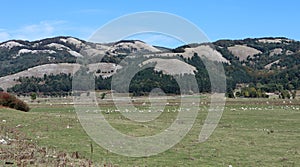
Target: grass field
252, 132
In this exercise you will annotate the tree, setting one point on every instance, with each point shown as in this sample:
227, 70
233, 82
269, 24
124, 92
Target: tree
33, 96
245, 93
252, 92
230, 94
103, 95
285, 94
294, 93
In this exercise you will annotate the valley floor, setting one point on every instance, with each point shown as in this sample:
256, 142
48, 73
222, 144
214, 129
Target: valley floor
251, 132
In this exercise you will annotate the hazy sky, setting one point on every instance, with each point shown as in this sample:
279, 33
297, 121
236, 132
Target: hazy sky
219, 19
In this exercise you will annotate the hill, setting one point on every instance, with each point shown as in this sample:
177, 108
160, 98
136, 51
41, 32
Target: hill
266, 64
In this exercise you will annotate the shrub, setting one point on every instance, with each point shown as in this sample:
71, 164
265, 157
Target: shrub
103, 95
11, 101
33, 96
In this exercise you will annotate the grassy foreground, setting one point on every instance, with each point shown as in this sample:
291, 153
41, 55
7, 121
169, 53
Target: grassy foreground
255, 132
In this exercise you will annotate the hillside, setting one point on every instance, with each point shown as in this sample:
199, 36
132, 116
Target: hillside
266, 64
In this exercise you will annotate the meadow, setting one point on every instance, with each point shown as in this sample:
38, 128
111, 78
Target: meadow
251, 132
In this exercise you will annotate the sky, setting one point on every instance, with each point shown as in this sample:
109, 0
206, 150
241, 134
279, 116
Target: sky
218, 19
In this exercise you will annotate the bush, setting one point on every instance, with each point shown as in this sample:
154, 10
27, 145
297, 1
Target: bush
11, 101
103, 95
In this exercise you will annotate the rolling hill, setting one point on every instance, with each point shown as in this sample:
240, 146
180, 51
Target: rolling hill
267, 64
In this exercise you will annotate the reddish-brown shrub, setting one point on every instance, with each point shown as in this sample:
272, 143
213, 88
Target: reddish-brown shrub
11, 101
